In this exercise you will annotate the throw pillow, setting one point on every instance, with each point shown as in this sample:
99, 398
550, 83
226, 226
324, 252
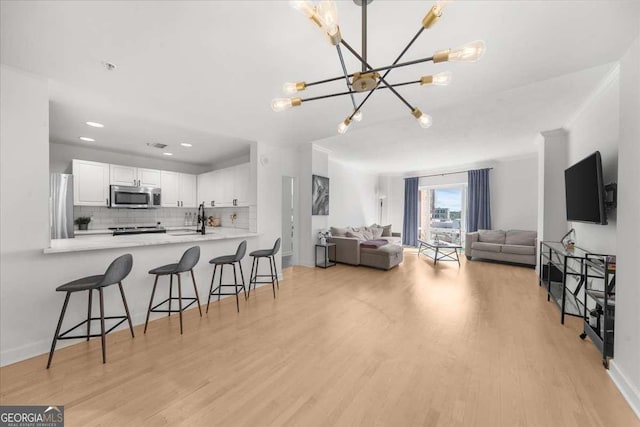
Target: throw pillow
338, 231
356, 234
386, 230
367, 233
377, 232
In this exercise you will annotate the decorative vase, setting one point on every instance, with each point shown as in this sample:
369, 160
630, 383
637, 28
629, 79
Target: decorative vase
83, 227
323, 240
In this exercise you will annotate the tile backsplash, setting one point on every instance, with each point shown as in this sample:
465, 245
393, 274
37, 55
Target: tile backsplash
102, 218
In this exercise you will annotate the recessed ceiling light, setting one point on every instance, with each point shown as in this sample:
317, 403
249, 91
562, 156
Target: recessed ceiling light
95, 124
168, 154
87, 139
186, 144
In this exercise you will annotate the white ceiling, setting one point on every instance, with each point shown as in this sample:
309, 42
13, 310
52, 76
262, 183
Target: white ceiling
213, 67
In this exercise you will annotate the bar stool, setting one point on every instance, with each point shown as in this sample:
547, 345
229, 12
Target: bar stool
270, 254
189, 260
229, 260
116, 272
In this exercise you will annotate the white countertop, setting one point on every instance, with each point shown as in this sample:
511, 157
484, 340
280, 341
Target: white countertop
90, 242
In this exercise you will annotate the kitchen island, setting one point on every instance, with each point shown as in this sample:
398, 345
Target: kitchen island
97, 241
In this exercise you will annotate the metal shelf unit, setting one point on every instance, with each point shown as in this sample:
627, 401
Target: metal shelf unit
600, 304
565, 291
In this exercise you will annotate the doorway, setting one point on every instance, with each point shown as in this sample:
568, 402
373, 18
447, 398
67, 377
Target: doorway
289, 218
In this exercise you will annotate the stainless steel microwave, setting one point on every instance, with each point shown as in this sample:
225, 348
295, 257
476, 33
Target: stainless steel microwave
135, 197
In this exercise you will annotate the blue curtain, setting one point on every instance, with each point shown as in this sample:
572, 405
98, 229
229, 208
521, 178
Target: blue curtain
410, 226
479, 201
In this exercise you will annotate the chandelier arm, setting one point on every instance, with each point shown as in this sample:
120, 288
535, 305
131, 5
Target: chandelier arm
346, 77
351, 92
389, 70
395, 92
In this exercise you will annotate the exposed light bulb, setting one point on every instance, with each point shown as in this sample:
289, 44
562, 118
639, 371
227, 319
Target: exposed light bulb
281, 104
442, 79
291, 88
357, 117
425, 121
306, 7
440, 4
470, 52
328, 14
343, 127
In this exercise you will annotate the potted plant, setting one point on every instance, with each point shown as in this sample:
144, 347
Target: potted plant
82, 222
323, 236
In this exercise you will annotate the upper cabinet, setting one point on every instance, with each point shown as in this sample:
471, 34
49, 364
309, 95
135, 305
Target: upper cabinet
135, 177
90, 183
149, 177
226, 187
178, 190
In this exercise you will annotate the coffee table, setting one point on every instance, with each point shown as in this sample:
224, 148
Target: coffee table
439, 250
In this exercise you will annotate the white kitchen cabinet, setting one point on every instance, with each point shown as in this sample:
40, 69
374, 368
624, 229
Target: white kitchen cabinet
149, 177
226, 187
123, 175
242, 184
135, 177
178, 190
170, 189
90, 183
188, 191
205, 185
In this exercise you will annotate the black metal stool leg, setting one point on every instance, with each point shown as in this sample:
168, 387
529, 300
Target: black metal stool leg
235, 288
126, 309
102, 334
213, 277
220, 282
273, 283
89, 314
153, 292
180, 300
253, 263
276, 270
255, 279
195, 288
55, 336
170, 293
243, 284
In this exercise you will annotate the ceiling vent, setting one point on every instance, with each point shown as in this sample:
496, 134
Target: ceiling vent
156, 145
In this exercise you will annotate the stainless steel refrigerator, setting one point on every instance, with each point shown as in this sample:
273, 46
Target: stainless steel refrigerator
61, 206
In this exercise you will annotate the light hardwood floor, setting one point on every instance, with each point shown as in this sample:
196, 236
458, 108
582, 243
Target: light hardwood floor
418, 345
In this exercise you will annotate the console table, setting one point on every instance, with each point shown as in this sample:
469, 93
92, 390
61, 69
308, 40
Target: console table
561, 271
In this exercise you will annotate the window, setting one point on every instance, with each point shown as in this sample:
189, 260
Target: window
443, 213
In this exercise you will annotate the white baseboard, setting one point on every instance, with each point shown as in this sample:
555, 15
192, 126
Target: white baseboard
628, 390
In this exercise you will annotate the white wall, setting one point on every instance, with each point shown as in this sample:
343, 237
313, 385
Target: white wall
353, 198
596, 127
625, 368
60, 156
393, 188
514, 191
514, 194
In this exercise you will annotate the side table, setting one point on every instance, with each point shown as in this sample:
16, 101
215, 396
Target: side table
325, 261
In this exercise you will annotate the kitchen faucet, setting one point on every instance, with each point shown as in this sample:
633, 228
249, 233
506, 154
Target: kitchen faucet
201, 219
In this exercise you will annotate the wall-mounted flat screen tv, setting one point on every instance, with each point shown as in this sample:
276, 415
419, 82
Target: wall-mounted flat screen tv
585, 192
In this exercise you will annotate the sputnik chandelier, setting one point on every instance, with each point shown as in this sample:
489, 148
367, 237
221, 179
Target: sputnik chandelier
325, 17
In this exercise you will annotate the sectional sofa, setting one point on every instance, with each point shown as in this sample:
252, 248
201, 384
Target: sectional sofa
351, 247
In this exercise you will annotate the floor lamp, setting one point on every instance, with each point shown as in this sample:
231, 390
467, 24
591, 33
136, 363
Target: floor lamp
381, 198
